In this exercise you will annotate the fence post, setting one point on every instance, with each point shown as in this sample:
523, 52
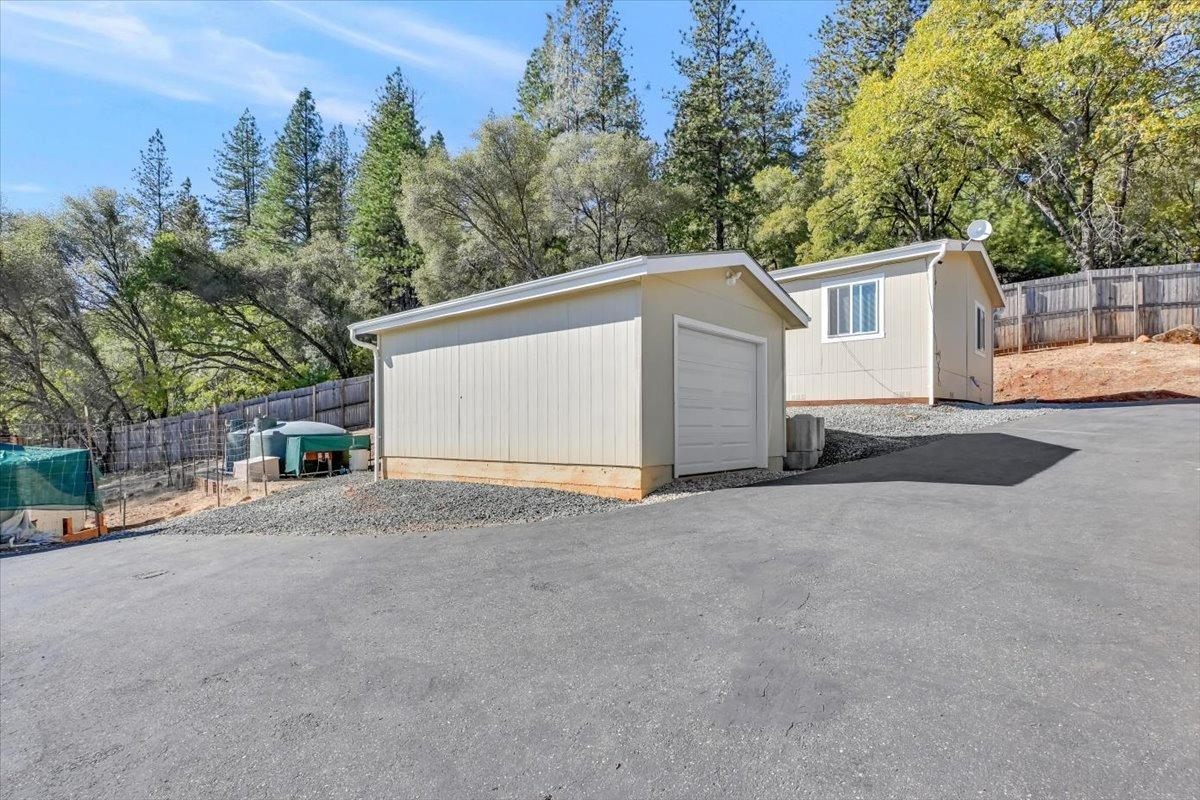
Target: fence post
1020, 318
314, 404
341, 384
1091, 311
1137, 290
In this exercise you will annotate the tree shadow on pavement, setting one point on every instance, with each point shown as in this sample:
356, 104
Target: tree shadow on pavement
980, 459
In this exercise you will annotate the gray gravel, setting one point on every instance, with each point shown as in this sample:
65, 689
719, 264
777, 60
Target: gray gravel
863, 430
355, 504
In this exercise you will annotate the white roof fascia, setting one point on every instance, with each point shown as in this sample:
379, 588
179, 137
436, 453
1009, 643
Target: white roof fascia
997, 287
893, 256
603, 274
740, 258
896, 254
517, 293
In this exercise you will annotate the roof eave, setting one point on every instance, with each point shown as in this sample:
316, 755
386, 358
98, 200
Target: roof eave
601, 275
879, 258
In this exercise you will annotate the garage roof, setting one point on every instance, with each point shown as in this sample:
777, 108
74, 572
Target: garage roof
897, 255
591, 277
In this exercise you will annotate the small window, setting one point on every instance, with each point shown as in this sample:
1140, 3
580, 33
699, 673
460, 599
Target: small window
980, 330
852, 309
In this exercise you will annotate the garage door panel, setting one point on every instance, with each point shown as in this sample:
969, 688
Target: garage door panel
716, 396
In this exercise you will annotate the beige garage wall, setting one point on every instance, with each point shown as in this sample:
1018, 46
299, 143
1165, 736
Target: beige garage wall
893, 366
958, 286
701, 295
551, 382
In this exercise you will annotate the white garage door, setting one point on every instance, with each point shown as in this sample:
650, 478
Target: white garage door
717, 417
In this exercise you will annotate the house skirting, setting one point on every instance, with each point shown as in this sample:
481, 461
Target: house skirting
622, 483
873, 401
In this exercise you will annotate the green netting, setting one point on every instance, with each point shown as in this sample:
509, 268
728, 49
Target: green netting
297, 446
46, 477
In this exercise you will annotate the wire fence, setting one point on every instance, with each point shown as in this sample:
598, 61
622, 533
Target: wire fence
204, 463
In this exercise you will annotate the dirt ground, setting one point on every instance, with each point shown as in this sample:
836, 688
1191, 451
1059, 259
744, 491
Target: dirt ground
1121, 371
144, 509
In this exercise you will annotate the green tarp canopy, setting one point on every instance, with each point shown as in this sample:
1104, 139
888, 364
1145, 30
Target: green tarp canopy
46, 477
297, 446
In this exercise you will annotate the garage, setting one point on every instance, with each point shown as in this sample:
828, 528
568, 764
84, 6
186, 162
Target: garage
718, 423
610, 380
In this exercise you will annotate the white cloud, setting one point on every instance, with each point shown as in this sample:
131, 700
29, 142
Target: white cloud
354, 37
25, 188
107, 21
403, 35
166, 55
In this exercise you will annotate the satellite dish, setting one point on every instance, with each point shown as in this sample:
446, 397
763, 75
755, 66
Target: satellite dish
979, 230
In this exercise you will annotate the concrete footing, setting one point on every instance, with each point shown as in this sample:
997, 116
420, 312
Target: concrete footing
805, 441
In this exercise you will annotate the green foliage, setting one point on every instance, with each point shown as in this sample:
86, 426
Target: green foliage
238, 175
383, 246
153, 196
187, 218
576, 79
860, 38
602, 199
334, 210
1072, 126
47, 373
730, 121
1067, 101
287, 211
480, 217
781, 228
891, 174
518, 207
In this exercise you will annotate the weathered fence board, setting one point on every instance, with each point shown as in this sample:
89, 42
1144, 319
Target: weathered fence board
176, 440
1102, 305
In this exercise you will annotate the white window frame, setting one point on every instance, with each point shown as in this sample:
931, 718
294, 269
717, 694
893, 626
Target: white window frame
762, 440
877, 279
980, 313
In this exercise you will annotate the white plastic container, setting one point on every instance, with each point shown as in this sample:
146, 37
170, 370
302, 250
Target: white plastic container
360, 460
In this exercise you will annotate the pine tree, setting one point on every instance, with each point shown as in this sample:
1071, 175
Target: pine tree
238, 175
287, 210
534, 90
715, 145
187, 218
337, 176
860, 37
152, 195
393, 137
613, 107
576, 80
437, 145
770, 116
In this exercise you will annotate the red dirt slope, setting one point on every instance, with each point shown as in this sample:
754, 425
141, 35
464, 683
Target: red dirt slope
1124, 371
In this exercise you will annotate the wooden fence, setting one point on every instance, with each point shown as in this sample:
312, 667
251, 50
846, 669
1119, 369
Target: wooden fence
198, 435
1100, 305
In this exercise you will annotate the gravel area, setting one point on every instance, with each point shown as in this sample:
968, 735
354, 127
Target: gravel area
356, 504
857, 431
682, 487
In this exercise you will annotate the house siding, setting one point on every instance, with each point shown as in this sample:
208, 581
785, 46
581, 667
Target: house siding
705, 296
962, 374
894, 366
549, 382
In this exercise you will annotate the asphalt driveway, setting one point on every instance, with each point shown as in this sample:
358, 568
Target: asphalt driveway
1012, 613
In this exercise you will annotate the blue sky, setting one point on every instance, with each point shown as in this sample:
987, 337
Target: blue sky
82, 86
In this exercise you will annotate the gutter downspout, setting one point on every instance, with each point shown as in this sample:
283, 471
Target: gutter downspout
932, 357
377, 391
